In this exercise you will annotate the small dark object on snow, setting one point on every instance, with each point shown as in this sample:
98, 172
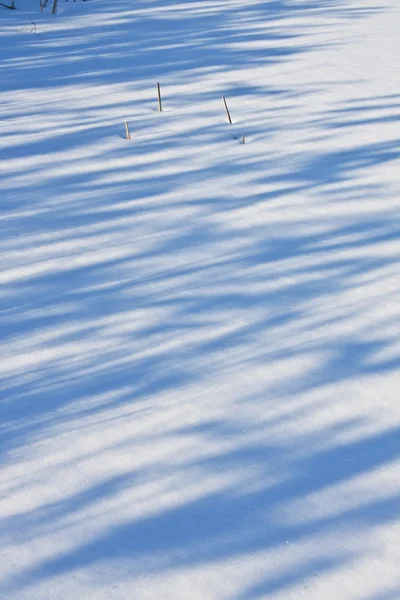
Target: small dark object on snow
12, 5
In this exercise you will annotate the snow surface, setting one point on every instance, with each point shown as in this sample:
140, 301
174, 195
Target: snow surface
200, 338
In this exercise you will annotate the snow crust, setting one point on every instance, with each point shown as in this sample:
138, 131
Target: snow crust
200, 338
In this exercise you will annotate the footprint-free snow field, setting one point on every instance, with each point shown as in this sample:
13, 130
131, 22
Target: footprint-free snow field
200, 337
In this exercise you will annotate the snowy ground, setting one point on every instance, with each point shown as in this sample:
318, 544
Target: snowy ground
200, 339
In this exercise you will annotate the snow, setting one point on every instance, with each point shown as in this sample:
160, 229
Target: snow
200, 347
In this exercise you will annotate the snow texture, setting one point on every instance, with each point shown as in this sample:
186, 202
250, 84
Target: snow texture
200, 338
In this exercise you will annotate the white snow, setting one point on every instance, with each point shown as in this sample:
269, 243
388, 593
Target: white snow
200, 339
